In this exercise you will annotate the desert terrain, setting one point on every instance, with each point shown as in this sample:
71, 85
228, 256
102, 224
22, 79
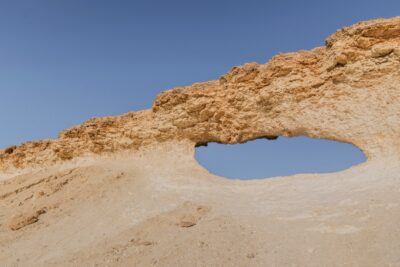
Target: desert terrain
127, 190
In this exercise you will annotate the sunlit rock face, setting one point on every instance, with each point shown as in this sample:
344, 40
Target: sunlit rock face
126, 190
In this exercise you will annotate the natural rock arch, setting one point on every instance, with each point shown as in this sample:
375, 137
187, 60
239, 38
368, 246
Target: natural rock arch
345, 91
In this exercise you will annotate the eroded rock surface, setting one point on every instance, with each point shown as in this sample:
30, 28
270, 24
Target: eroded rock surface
139, 198
346, 91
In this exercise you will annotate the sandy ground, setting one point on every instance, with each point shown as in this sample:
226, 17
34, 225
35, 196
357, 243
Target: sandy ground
161, 208
158, 207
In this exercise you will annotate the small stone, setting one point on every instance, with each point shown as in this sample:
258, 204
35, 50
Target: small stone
341, 59
363, 43
138, 242
10, 150
188, 220
186, 224
22, 221
381, 51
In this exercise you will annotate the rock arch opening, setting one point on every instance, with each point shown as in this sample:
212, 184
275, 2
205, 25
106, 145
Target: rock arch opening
283, 156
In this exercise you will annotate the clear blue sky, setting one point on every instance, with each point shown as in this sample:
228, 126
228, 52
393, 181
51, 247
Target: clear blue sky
62, 62
282, 157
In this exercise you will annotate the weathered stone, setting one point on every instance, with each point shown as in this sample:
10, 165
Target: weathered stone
381, 51
294, 82
127, 190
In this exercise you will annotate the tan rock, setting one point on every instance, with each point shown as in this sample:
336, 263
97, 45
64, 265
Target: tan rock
127, 191
382, 50
341, 59
23, 220
192, 110
188, 221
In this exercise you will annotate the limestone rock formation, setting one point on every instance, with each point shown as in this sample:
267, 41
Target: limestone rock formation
126, 190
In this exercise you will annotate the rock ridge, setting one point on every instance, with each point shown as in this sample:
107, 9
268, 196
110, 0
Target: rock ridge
347, 91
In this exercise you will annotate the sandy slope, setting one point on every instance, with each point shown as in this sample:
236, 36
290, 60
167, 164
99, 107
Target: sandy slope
159, 207
126, 190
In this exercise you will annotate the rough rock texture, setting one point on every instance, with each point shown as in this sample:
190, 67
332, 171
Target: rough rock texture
143, 200
346, 91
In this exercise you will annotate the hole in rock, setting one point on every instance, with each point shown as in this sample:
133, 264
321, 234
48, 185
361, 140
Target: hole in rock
283, 156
